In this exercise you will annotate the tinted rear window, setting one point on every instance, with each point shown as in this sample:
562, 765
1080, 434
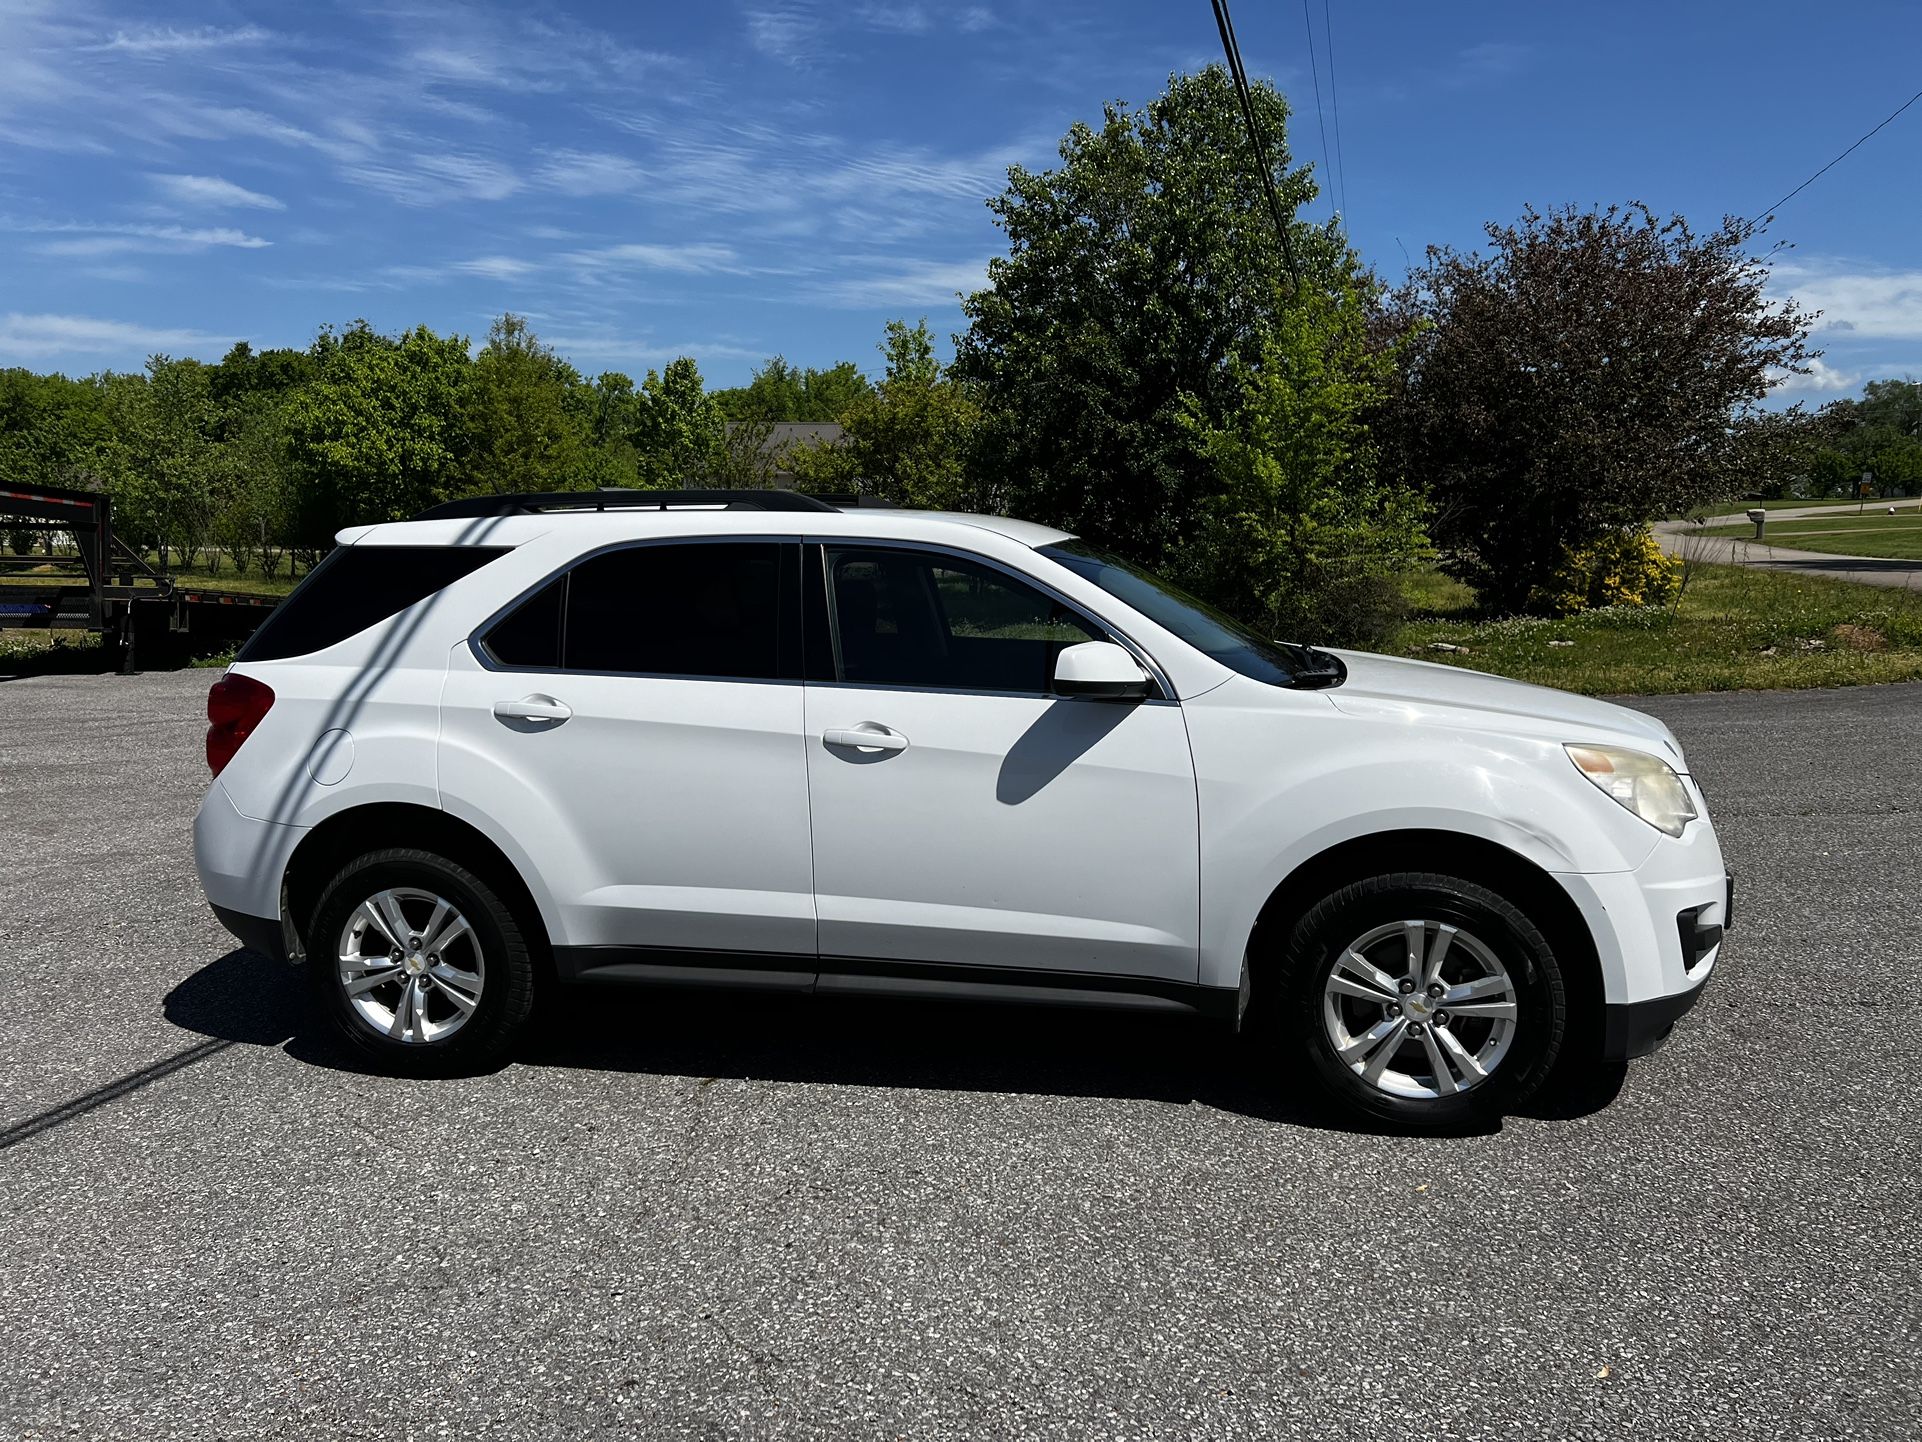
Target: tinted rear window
355, 587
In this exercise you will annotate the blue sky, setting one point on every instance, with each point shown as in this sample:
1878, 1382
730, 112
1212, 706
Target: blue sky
733, 180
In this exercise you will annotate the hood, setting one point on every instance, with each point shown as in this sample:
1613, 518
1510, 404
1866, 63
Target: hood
1430, 694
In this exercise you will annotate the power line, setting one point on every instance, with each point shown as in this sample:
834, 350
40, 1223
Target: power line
1321, 117
1334, 99
1766, 211
1232, 49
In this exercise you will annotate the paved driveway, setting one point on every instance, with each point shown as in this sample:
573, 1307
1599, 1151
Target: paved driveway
1681, 538
707, 1218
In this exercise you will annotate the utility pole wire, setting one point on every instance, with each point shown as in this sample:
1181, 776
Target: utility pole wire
1232, 49
1769, 210
1334, 100
1321, 116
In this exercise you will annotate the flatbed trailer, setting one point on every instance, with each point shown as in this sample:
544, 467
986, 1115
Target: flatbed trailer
106, 587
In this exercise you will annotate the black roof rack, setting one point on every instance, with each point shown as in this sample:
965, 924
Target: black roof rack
615, 498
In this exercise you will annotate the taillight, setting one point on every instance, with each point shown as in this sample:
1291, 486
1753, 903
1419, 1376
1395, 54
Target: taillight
235, 706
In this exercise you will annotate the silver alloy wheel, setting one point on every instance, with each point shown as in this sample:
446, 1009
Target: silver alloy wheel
1420, 1009
410, 965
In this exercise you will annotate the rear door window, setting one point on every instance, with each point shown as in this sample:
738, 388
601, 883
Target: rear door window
716, 610
710, 610
355, 587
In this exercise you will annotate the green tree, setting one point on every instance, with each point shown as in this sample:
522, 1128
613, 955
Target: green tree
525, 414
678, 428
164, 457
909, 439
782, 392
1303, 536
1139, 272
1593, 371
378, 434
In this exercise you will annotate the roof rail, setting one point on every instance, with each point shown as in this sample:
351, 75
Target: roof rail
615, 498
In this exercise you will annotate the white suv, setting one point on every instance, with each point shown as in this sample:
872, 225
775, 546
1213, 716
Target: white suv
755, 740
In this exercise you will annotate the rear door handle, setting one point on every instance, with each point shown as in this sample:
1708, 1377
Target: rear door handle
868, 736
533, 708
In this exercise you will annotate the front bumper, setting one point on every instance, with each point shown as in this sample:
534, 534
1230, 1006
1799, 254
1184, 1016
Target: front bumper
1637, 1028
1632, 1029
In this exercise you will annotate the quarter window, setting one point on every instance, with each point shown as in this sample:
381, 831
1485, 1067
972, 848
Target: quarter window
907, 618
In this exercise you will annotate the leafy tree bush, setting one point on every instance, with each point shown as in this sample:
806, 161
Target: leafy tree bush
1591, 372
525, 428
1304, 535
1139, 272
1623, 568
908, 439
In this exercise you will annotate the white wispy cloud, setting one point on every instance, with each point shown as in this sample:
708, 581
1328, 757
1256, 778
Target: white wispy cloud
432, 178
885, 282
791, 33
897, 19
496, 267
700, 258
107, 237
35, 336
1862, 303
166, 42
604, 348
211, 190
585, 173
1821, 378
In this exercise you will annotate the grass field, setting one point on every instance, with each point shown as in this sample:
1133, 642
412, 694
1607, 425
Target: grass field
225, 579
1871, 534
1734, 629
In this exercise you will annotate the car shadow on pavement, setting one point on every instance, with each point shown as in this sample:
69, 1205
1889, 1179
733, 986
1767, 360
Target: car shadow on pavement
918, 1045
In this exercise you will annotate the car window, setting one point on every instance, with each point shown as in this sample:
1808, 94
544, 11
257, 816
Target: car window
529, 636
354, 587
907, 618
710, 610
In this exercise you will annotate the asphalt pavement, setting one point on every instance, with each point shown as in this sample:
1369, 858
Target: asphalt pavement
712, 1218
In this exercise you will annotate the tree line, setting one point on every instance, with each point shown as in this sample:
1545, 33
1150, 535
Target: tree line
1146, 366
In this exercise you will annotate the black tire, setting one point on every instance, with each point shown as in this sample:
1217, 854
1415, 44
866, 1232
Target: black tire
1297, 1016
506, 998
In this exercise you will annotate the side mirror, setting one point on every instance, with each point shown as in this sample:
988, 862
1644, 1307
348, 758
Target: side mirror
1099, 669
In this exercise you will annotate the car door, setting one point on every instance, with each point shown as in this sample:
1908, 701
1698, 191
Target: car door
962, 814
635, 725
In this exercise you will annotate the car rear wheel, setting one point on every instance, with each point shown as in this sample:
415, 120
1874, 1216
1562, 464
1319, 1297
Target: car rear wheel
1424, 1001
420, 964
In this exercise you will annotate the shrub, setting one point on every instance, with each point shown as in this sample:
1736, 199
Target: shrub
1624, 568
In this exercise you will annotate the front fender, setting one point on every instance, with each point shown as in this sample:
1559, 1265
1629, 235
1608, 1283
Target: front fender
1280, 784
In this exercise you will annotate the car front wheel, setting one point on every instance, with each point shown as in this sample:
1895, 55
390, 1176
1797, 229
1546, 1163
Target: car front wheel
1424, 1001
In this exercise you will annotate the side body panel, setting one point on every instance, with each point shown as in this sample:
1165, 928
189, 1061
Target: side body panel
1017, 831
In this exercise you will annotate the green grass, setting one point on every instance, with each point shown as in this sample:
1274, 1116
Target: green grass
1734, 629
1874, 534
224, 579
37, 652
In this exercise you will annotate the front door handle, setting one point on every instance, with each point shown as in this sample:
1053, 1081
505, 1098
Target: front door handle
533, 708
868, 736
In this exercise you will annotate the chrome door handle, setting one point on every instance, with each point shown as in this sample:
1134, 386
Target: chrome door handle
868, 736
533, 708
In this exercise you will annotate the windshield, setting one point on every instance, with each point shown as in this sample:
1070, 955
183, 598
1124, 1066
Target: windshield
1215, 633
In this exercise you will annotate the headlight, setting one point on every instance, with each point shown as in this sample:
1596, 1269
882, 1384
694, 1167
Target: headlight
1644, 784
